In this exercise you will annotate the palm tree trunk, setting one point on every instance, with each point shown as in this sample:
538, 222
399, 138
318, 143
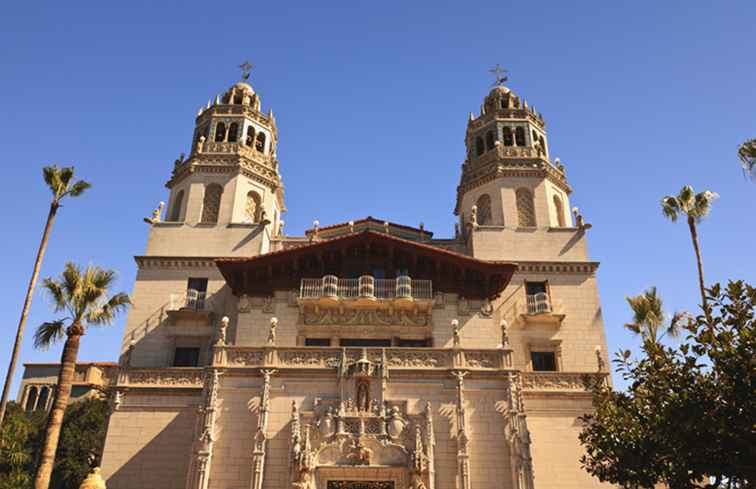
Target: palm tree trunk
25, 309
699, 261
55, 419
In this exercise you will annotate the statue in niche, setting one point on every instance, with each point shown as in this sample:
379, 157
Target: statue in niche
222, 330
363, 396
504, 334
200, 144
455, 332
272, 333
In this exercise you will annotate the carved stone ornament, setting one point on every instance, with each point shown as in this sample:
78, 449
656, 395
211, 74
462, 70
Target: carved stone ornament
439, 300
463, 307
267, 305
486, 308
376, 317
244, 303
160, 377
395, 423
552, 381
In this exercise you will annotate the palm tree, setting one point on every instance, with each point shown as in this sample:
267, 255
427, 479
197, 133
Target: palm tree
747, 155
695, 207
61, 183
648, 317
84, 296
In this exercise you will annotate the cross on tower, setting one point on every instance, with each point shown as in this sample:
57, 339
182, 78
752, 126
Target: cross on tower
246, 67
497, 72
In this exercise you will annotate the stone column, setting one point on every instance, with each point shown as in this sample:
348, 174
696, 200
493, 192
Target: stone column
199, 476
260, 441
518, 435
463, 457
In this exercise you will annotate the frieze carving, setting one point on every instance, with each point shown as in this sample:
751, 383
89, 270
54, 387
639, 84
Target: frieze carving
245, 357
302, 358
267, 304
164, 377
419, 359
378, 317
553, 381
481, 359
245, 304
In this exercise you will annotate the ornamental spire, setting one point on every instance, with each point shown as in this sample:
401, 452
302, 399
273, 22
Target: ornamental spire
498, 72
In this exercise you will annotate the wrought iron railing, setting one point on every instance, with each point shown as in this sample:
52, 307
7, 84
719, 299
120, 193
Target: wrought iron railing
366, 286
539, 303
193, 300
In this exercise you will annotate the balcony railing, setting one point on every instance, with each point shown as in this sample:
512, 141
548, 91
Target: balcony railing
191, 300
365, 287
539, 303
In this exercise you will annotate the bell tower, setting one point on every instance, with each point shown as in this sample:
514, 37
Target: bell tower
509, 187
230, 181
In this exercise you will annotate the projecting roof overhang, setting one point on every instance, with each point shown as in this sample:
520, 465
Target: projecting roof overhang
366, 253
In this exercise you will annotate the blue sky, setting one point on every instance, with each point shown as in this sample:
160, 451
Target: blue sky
371, 100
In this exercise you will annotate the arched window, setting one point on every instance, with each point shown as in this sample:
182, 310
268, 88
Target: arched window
520, 136
525, 208
253, 208
489, 140
31, 398
484, 210
176, 207
211, 204
559, 209
250, 139
507, 136
233, 132
220, 132
260, 144
479, 148
44, 394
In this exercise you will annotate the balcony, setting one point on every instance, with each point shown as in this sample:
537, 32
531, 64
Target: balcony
367, 291
539, 308
191, 306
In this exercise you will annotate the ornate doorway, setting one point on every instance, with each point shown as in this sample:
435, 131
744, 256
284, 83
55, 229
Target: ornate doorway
360, 485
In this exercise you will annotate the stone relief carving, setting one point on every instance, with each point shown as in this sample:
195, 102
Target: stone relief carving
309, 358
552, 381
439, 300
267, 305
486, 308
366, 317
419, 359
245, 357
244, 303
163, 377
481, 359
463, 307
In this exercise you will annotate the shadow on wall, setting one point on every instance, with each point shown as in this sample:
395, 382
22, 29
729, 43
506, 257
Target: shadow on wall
151, 332
572, 242
163, 461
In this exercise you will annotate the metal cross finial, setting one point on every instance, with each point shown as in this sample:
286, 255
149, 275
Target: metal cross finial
246, 67
497, 72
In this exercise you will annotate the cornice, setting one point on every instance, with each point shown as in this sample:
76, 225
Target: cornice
585, 267
145, 262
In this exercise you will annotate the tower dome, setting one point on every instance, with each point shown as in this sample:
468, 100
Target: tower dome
241, 93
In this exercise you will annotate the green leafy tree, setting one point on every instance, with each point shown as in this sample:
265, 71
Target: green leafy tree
81, 441
83, 294
695, 206
688, 418
61, 183
19, 440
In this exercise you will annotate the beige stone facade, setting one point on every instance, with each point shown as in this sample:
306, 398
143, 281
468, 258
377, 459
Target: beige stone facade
364, 354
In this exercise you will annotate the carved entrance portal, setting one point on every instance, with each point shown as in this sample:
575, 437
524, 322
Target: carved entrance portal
360, 485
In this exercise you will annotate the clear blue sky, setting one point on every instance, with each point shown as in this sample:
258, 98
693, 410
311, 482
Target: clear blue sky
372, 99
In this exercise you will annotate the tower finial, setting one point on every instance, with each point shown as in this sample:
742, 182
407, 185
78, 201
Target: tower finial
246, 68
498, 71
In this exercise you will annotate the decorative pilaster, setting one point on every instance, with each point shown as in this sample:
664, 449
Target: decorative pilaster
463, 457
199, 476
260, 440
430, 445
518, 436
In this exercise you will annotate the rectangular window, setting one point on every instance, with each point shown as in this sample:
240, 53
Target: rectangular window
533, 288
317, 342
186, 357
543, 361
365, 343
197, 283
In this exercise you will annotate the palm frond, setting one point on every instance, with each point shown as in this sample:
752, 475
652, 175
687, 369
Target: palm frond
686, 198
78, 188
48, 334
670, 207
107, 312
56, 292
702, 204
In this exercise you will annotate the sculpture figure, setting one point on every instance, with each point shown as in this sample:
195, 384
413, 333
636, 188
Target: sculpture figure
504, 334
474, 216
272, 333
155, 214
395, 423
200, 144
222, 330
455, 332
